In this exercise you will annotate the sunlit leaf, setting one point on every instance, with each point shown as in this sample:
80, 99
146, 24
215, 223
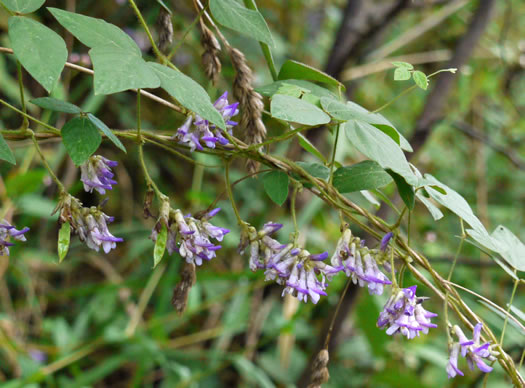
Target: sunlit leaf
295, 110
64, 238
160, 245
366, 175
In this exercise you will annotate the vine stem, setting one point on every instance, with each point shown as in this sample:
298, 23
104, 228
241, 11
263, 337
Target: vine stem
294, 217
52, 129
333, 155
230, 192
45, 163
25, 123
336, 312
516, 282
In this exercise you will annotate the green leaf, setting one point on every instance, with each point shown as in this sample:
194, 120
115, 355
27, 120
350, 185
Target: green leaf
454, 202
513, 250
292, 90
106, 131
53, 104
293, 109
276, 186
160, 245
23, 6
119, 69
313, 89
296, 70
316, 170
188, 92
309, 147
433, 209
352, 111
406, 192
248, 22
64, 238
5, 152
420, 79
378, 146
95, 32
81, 139
401, 74
40, 50
405, 65
366, 175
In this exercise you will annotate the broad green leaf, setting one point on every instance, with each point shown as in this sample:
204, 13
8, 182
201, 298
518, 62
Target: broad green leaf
316, 90
401, 74
405, 65
119, 69
310, 148
95, 32
454, 202
366, 175
53, 104
296, 70
23, 6
160, 245
292, 90
316, 170
106, 131
5, 152
276, 186
40, 50
378, 146
64, 238
188, 92
433, 209
248, 22
513, 249
81, 139
295, 110
406, 192
420, 79
352, 111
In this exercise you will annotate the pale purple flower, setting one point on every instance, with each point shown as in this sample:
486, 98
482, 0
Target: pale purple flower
7, 231
90, 223
198, 132
472, 349
403, 313
96, 174
195, 236
358, 263
38, 355
386, 240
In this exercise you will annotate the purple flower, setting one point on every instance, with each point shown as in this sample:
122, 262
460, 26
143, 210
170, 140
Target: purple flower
90, 223
195, 236
96, 174
472, 350
203, 131
38, 356
358, 263
403, 313
8, 231
385, 240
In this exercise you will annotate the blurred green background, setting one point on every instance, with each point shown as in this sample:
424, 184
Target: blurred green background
65, 325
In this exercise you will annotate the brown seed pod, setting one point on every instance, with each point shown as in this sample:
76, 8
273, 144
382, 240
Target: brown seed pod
165, 30
320, 373
210, 57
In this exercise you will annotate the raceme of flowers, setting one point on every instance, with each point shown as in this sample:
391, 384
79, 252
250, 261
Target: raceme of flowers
90, 223
96, 174
196, 235
203, 131
7, 232
472, 350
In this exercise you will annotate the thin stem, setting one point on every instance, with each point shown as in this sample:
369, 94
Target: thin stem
186, 32
336, 312
139, 124
393, 270
334, 151
46, 165
516, 282
230, 192
25, 123
408, 90
51, 128
294, 217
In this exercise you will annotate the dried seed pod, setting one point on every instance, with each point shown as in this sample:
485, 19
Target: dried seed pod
182, 290
251, 103
210, 57
165, 30
320, 373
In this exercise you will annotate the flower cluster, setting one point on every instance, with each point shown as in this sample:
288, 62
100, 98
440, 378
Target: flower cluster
96, 174
195, 235
293, 267
403, 313
472, 350
90, 223
8, 231
360, 263
203, 130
